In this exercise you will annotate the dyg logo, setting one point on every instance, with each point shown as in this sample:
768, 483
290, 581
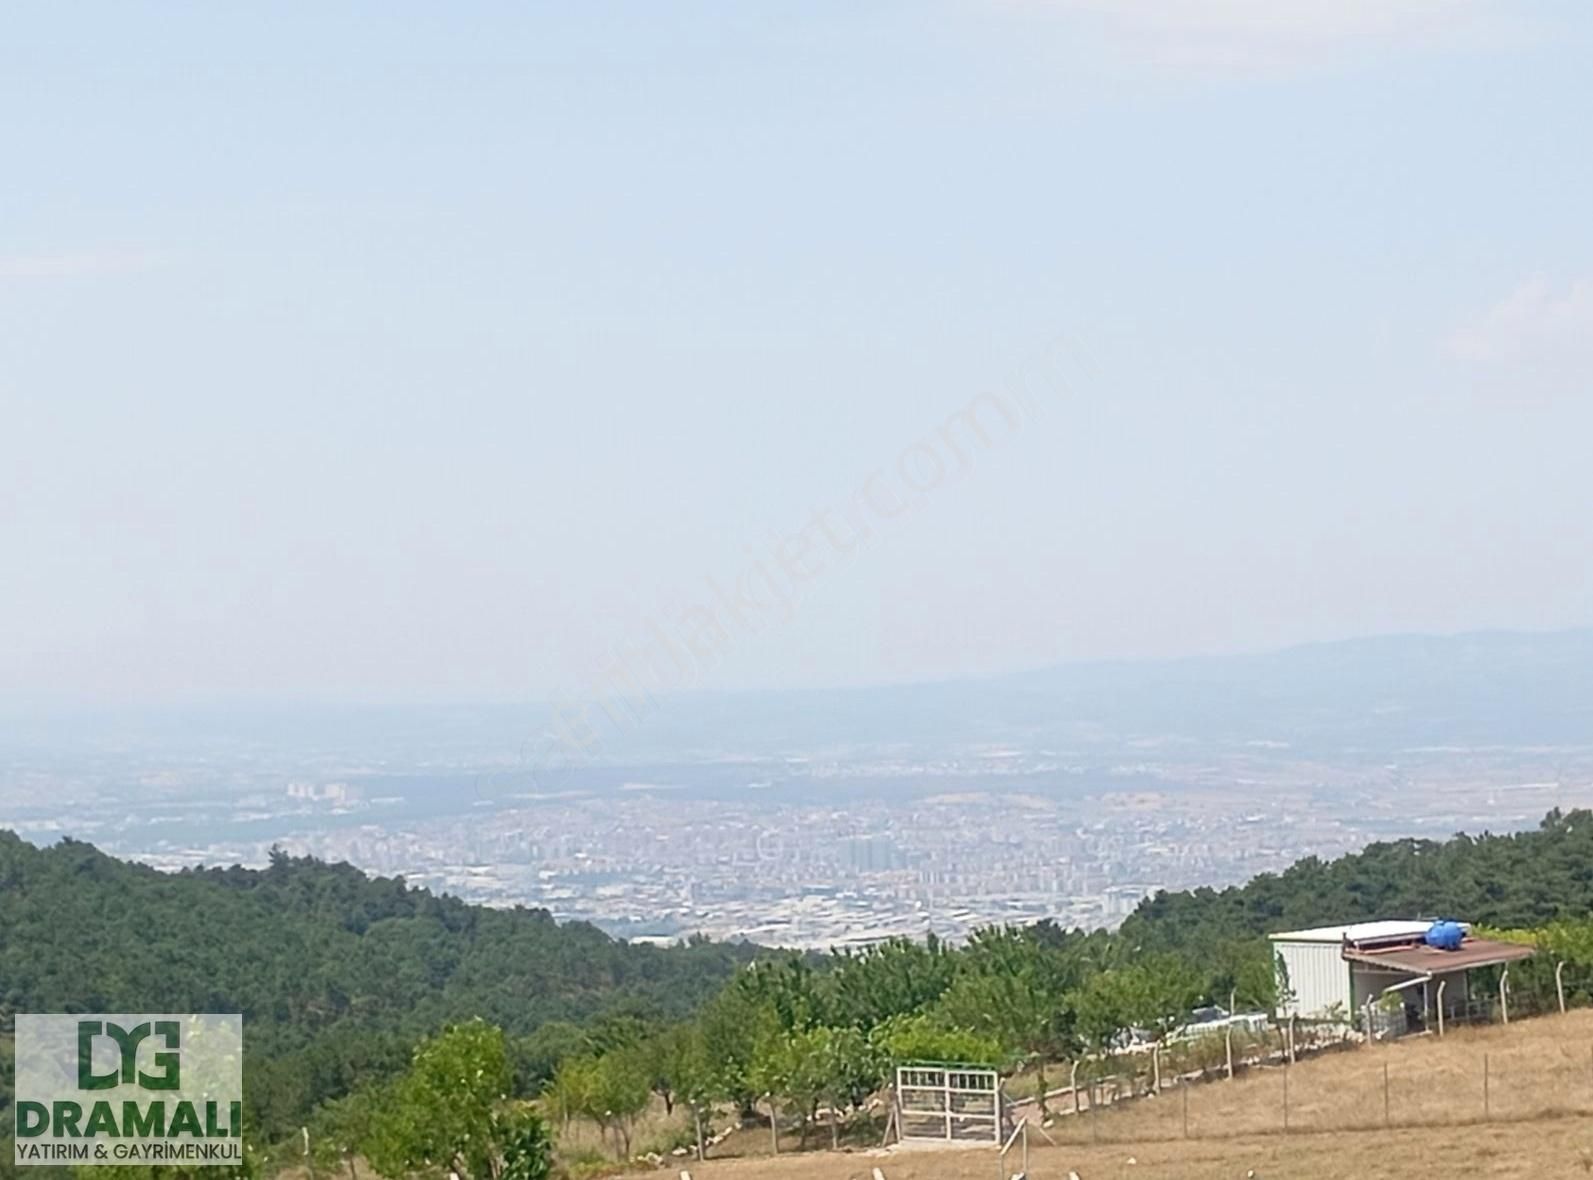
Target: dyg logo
119, 1089
127, 1042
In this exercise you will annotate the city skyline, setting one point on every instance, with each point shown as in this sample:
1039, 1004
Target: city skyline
840, 819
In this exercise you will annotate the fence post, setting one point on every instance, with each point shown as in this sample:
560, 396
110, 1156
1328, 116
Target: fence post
1385, 1094
1184, 1090
1487, 1108
1504, 994
1073, 1084
1559, 984
1442, 984
1228, 1033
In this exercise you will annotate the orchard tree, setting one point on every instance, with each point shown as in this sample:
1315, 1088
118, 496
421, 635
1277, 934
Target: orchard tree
771, 1072
786, 987
620, 1091
339, 1128
902, 1040
1015, 989
1246, 975
730, 1030
851, 1068
790, 1069
693, 1076
838, 1067
894, 978
567, 1092
610, 1090
1100, 1012
450, 1111
1157, 993
671, 1055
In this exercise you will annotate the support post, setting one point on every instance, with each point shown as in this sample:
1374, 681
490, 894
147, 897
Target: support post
1504, 995
1559, 984
1487, 1105
1442, 984
1385, 1094
774, 1125
1156, 1068
696, 1118
1228, 1034
1073, 1084
1184, 1090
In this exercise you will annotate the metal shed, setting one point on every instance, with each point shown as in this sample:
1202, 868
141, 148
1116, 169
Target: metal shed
1332, 972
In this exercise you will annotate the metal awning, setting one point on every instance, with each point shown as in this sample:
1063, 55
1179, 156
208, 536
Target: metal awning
1421, 959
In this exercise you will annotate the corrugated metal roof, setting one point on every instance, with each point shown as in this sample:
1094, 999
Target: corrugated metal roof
1429, 960
1356, 931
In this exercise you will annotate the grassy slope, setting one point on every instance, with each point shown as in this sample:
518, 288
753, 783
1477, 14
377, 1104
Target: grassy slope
1540, 1095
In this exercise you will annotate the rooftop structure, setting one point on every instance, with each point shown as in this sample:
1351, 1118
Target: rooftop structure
1429, 961
1356, 932
1340, 972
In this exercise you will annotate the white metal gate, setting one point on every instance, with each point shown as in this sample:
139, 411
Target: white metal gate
948, 1102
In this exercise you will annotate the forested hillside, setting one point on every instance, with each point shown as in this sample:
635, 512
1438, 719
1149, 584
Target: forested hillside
1525, 879
337, 974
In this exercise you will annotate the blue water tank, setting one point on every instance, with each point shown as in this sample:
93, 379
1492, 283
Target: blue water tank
1445, 935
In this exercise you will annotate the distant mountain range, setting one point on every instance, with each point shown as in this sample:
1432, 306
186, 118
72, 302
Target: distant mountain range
1361, 697
1364, 695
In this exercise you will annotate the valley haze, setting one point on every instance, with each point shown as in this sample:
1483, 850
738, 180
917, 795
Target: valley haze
830, 818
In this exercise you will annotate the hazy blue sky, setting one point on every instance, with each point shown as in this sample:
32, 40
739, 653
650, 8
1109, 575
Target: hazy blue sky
428, 351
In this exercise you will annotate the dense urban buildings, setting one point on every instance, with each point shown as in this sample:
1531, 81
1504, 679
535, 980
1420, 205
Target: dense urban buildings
801, 851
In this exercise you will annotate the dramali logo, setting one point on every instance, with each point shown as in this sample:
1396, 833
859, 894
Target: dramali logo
118, 1089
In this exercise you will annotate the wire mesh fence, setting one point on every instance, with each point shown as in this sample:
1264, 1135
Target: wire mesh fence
1480, 1070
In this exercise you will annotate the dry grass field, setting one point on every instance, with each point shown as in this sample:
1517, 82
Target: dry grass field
1531, 1117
